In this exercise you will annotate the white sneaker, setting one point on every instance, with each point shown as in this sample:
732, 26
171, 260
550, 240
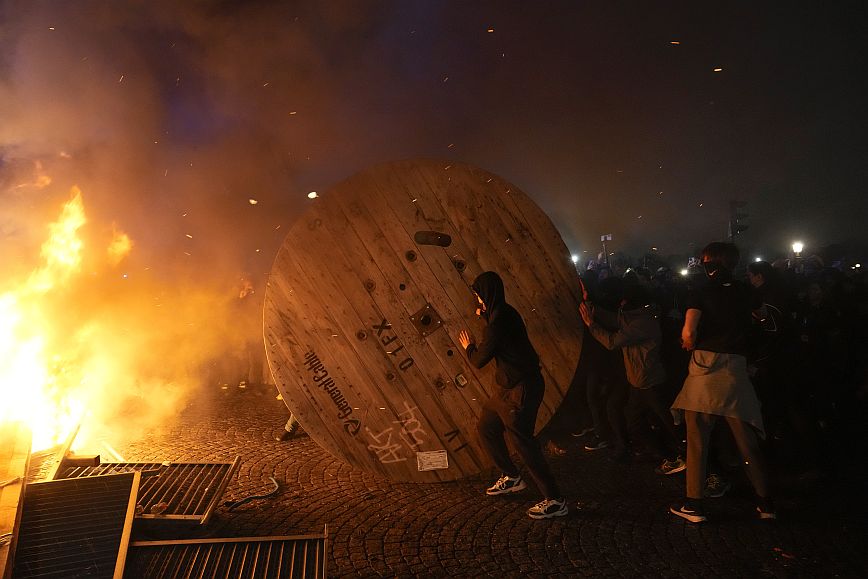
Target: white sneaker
548, 508
506, 484
689, 511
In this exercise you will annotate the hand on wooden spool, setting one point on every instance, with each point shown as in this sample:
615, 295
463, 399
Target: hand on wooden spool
363, 291
465, 339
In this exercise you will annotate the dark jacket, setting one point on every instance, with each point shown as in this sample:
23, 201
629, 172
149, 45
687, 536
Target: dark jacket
505, 339
639, 336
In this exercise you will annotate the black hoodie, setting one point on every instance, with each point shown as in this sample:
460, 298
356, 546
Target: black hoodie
505, 337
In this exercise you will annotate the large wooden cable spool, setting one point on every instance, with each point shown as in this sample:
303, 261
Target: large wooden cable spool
367, 296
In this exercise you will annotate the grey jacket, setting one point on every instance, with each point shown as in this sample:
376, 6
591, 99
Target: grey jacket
637, 333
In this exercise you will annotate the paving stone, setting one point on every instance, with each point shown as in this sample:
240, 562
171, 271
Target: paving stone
380, 528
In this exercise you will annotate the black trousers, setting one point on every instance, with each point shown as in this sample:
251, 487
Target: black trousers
607, 391
645, 407
512, 412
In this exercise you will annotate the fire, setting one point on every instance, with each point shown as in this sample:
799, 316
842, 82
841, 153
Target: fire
62, 251
40, 375
84, 344
120, 247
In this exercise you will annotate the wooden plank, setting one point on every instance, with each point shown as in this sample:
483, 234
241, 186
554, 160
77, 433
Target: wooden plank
436, 283
396, 297
558, 365
325, 352
305, 326
477, 207
557, 315
436, 421
15, 440
350, 276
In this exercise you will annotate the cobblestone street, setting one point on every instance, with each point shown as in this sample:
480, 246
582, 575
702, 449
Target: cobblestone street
378, 528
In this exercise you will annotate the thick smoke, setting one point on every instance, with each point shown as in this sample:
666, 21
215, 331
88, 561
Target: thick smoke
190, 128
171, 116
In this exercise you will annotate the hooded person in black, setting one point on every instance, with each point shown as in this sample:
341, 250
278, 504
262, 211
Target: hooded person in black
513, 408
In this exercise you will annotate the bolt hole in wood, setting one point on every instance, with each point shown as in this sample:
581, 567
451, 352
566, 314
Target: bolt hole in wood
432, 238
425, 411
426, 320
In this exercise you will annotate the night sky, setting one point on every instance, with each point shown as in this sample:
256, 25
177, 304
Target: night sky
171, 116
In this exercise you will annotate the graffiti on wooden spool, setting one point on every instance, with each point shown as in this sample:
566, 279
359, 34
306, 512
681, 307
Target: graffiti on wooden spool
369, 291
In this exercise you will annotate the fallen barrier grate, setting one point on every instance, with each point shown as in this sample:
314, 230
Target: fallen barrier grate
300, 556
169, 491
76, 527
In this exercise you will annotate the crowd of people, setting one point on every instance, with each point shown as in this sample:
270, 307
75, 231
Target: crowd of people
776, 354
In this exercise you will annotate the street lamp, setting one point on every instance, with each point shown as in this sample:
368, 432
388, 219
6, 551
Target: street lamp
798, 246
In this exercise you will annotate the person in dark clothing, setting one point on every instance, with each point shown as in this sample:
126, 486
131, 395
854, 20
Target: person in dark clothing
820, 351
716, 328
607, 388
635, 331
783, 402
513, 408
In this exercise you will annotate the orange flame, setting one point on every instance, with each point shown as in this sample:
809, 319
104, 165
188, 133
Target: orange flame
120, 247
76, 337
37, 386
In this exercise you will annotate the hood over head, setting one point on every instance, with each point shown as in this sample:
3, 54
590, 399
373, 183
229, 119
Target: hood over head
489, 287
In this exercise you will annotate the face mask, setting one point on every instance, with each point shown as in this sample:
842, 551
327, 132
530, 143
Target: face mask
480, 305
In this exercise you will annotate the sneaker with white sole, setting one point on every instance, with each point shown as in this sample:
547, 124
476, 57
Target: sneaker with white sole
671, 466
548, 508
688, 510
596, 443
583, 432
716, 486
506, 484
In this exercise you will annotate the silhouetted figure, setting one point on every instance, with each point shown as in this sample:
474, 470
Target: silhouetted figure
512, 410
635, 331
716, 329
